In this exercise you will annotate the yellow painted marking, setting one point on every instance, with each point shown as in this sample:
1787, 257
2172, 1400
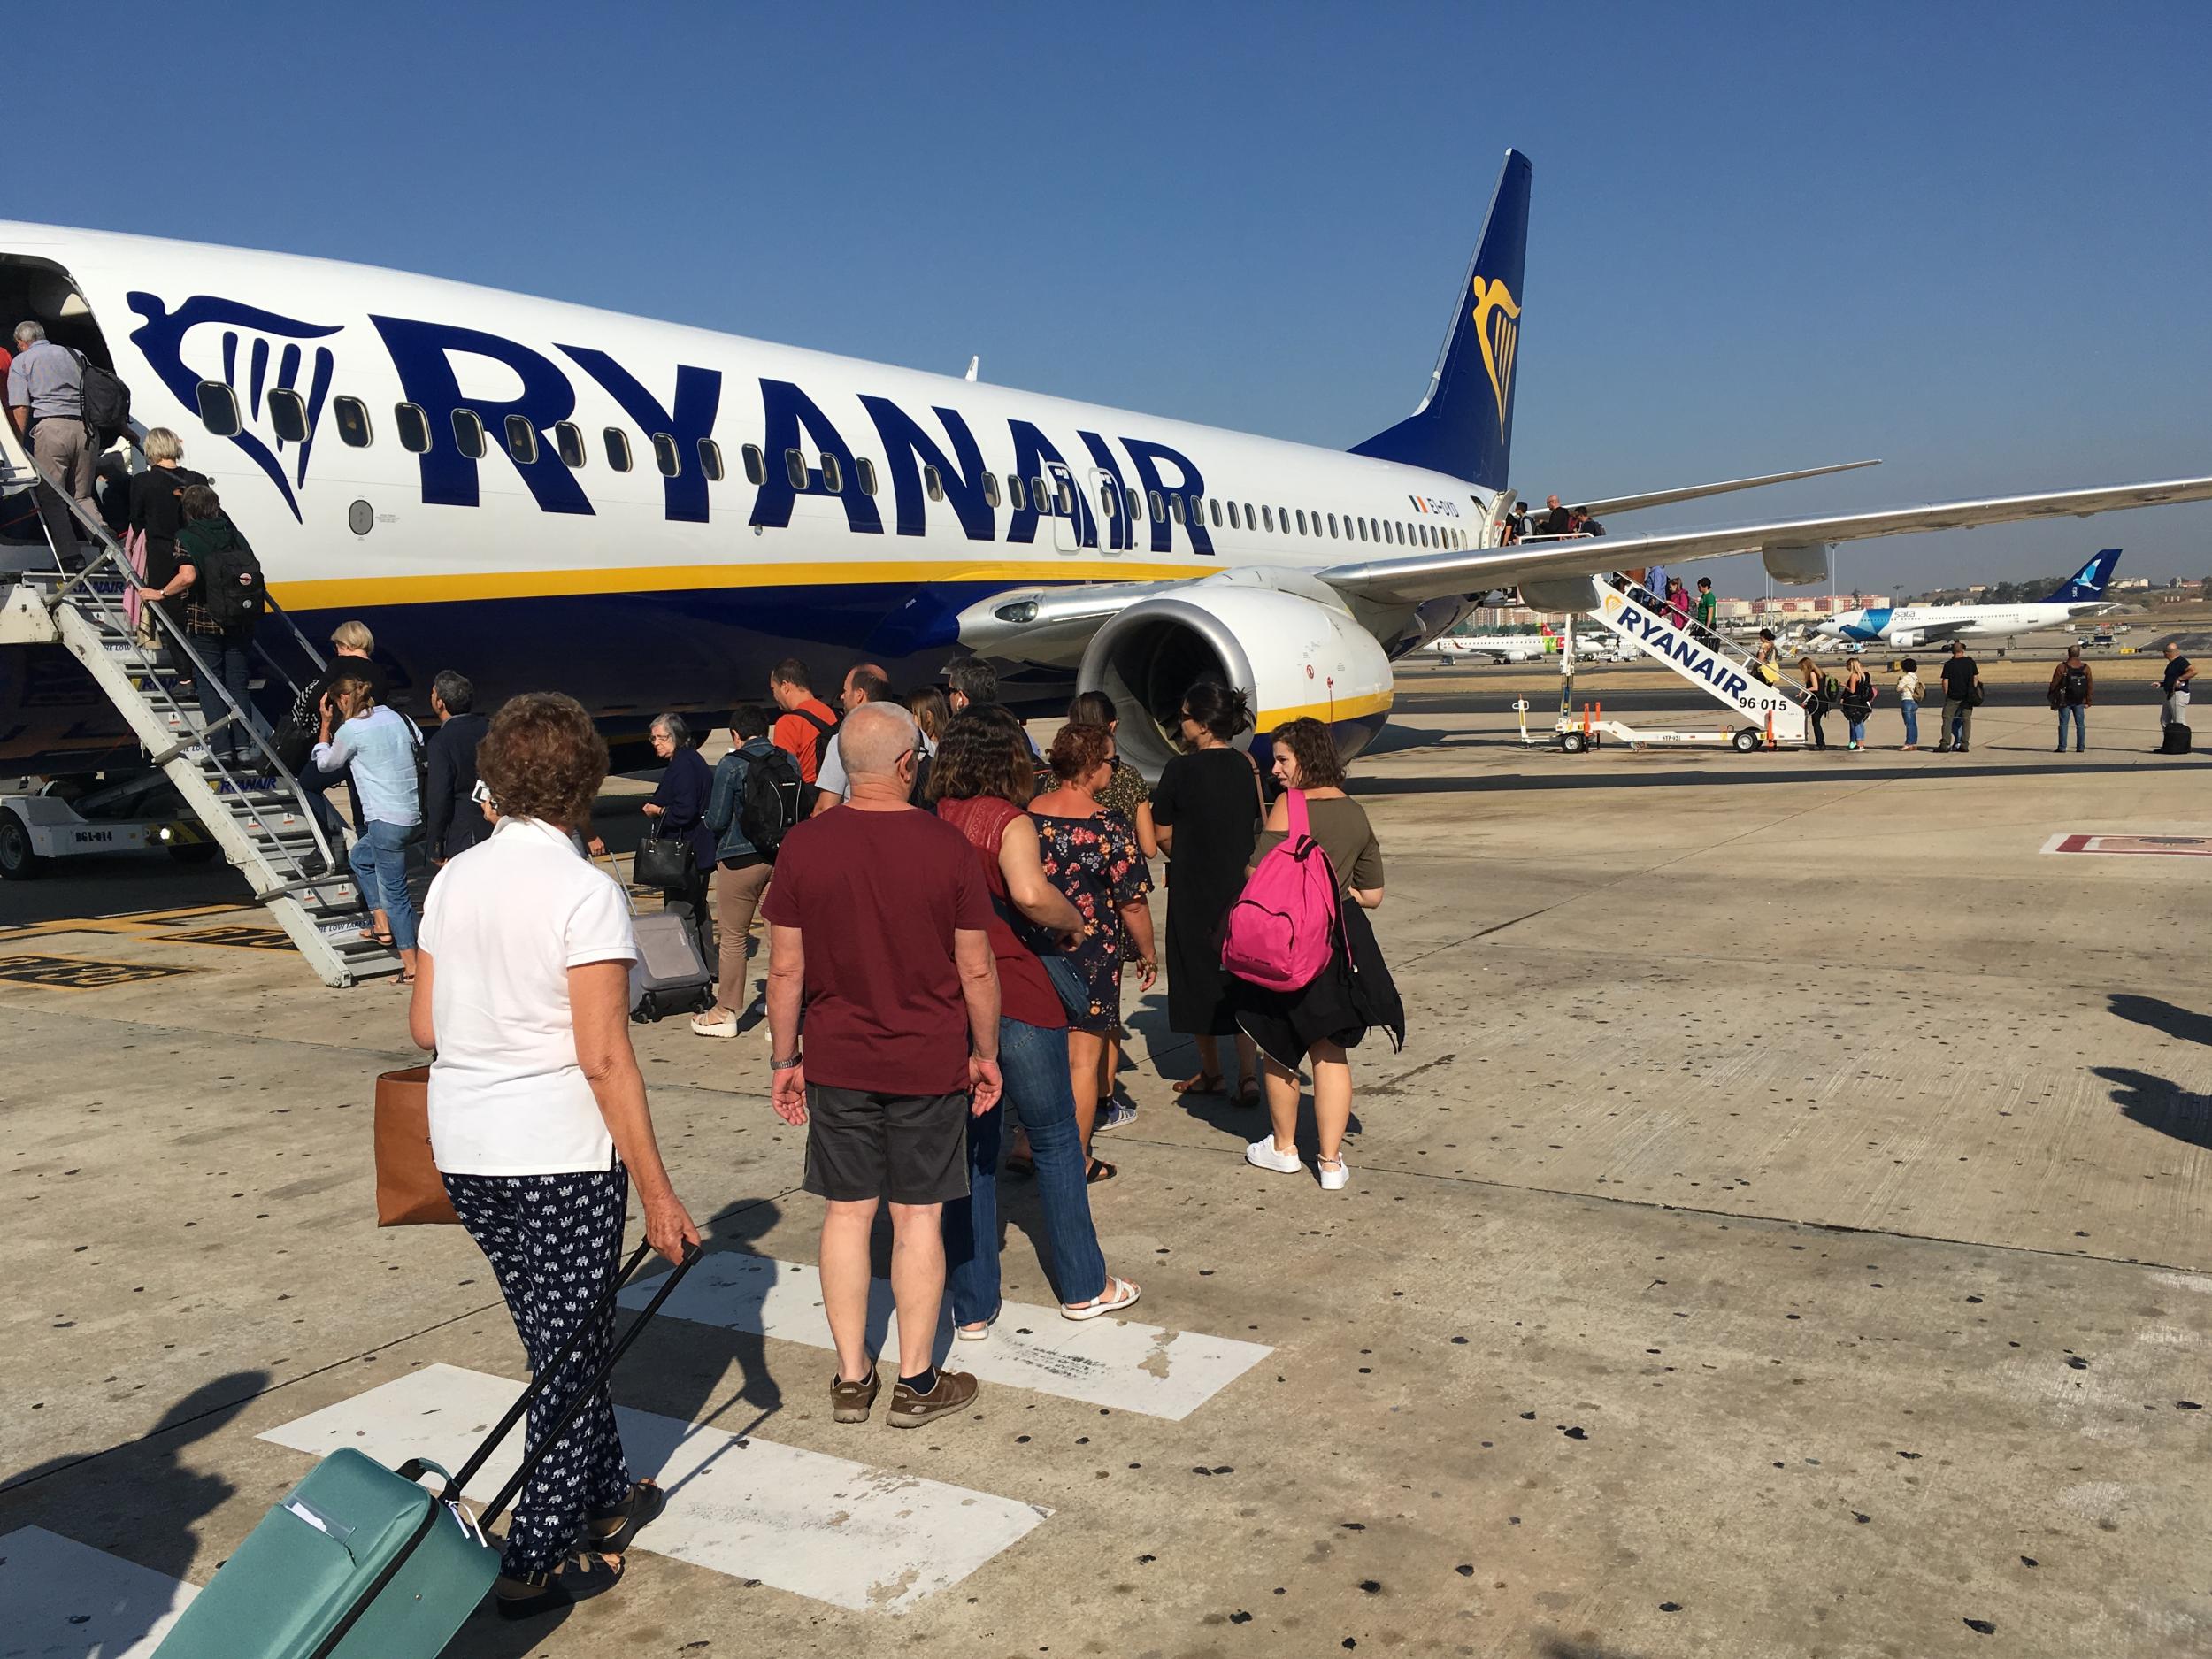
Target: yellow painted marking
342, 593
128, 925
1341, 708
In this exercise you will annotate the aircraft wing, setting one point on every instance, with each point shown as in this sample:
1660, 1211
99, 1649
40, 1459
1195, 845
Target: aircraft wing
1413, 577
1607, 505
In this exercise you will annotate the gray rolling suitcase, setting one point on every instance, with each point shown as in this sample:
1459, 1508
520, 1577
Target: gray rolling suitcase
669, 976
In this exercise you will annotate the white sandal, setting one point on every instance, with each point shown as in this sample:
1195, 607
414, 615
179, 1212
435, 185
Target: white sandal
1119, 1293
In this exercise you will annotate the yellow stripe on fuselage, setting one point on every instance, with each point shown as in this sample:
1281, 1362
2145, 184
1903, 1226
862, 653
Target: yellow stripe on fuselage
352, 592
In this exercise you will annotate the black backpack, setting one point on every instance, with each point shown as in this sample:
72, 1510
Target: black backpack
772, 801
2076, 686
233, 594
104, 402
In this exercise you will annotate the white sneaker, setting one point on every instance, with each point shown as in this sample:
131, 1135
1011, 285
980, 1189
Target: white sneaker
1333, 1179
720, 1022
1262, 1154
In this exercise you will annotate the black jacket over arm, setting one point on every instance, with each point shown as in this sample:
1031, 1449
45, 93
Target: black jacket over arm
452, 821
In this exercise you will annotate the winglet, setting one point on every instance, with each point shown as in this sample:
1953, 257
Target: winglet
1465, 426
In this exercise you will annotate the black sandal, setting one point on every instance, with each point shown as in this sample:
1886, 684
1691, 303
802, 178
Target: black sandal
1100, 1171
640, 1508
582, 1576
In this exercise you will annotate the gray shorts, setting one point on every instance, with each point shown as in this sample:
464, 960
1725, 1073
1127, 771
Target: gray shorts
911, 1149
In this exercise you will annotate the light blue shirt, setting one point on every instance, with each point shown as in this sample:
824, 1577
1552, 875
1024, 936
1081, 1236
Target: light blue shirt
380, 749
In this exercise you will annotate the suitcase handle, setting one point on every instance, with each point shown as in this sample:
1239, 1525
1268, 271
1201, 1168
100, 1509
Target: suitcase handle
575, 1406
414, 1469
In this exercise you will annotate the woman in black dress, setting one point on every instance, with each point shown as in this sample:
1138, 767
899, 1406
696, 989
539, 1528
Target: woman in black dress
156, 514
1207, 811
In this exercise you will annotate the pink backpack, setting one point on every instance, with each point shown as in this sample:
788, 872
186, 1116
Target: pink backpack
1282, 928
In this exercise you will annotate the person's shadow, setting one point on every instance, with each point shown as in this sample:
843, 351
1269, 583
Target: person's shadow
2161, 1016
149, 1502
2158, 1104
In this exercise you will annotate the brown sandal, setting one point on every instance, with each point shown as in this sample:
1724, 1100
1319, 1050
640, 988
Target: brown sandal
1205, 1083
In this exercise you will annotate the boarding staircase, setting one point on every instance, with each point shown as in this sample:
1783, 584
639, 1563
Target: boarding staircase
254, 808
1643, 624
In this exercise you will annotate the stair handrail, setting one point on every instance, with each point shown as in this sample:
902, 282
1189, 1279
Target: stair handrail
112, 554
1710, 638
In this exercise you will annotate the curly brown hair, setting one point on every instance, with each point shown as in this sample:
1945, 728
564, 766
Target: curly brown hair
543, 758
1315, 752
1079, 752
982, 753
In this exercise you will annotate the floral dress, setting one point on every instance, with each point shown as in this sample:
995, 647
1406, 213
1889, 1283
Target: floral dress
1096, 864
1125, 792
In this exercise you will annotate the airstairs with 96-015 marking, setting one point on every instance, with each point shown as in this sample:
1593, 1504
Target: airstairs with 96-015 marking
250, 805
1767, 710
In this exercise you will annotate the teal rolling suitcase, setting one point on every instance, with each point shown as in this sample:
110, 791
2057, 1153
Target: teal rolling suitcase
361, 1562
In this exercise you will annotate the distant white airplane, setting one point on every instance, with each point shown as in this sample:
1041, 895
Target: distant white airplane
1496, 648
1908, 626
649, 516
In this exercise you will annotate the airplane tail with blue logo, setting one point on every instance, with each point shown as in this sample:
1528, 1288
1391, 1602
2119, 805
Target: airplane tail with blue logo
1465, 426
2089, 582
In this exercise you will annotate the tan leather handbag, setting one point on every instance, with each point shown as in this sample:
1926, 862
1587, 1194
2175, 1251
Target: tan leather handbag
409, 1192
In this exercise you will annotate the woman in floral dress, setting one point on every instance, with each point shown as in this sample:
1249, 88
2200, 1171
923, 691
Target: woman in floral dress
1130, 796
1092, 856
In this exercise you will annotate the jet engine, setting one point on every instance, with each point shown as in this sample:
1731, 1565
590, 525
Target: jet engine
1904, 639
1290, 646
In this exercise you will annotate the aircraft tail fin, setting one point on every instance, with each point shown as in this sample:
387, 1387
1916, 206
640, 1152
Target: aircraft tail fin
1465, 424
2089, 582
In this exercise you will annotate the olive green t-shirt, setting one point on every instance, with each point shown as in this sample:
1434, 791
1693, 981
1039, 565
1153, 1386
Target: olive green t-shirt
1345, 834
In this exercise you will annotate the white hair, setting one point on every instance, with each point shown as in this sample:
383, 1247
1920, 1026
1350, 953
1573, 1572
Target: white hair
872, 738
161, 444
25, 332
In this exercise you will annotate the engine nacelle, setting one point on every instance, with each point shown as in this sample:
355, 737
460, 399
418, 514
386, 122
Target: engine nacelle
1290, 654
1904, 639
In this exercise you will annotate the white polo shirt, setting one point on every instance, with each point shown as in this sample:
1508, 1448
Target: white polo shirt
504, 923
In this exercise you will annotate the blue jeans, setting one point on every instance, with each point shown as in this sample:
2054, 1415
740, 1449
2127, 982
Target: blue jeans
228, 670
380, 865
1034, 1062
2078, 712
1857, 729
1911, 712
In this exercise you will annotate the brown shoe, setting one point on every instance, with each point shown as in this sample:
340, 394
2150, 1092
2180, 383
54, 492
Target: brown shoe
954, 1390
849, 1402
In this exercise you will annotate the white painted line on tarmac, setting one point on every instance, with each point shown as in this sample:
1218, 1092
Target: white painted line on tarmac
64, 1600
1105, 1362
822, 1527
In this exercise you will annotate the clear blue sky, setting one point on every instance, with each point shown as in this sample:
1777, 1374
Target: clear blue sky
1763, 236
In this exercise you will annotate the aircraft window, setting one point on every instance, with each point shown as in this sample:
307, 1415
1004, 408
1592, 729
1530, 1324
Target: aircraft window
1109, 501
1331, 527
522, 439
1362, 523
710, 459
1282, 518
352, 416
833, 475
468, 433
618, 442
1213, 503
1302, 521
990, 489
867, 471
1037, 493
1066, 496
933, 481
666, 456
1136, 508
1159, 507
1234, 522
1267, 517
288, 415
794, 468
413, 427
1251, 516
1016, 497
755, 469
1175, 508
568, 441
219, 409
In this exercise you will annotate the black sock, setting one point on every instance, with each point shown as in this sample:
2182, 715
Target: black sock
923, 1383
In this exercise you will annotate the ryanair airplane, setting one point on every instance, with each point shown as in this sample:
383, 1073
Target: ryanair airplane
647, 515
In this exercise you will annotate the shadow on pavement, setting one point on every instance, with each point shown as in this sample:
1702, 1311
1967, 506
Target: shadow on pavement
2158, 1104
2163, 1016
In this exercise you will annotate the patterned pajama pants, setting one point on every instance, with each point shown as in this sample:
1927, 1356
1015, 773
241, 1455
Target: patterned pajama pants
552, 1241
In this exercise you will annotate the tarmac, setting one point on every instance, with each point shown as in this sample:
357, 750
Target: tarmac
1785, 1233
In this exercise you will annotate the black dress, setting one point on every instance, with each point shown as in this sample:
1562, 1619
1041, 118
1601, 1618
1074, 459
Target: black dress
1211, 800
154, 510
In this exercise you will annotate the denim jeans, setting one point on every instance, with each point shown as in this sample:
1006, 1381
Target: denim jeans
380, 865
2078, 713
1857, 729
224, 656
1034, 1062
1911, 712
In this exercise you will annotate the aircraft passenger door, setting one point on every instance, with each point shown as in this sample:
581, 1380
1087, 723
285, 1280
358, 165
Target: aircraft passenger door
1115, 534
1065, 505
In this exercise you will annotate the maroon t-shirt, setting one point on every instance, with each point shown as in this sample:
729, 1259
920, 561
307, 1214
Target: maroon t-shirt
1025, 992
878, 896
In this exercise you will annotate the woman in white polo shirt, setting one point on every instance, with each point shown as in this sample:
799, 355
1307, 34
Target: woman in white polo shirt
538, 1120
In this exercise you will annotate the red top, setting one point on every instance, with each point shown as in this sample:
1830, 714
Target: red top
1025, 991
802, 739
878, 896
